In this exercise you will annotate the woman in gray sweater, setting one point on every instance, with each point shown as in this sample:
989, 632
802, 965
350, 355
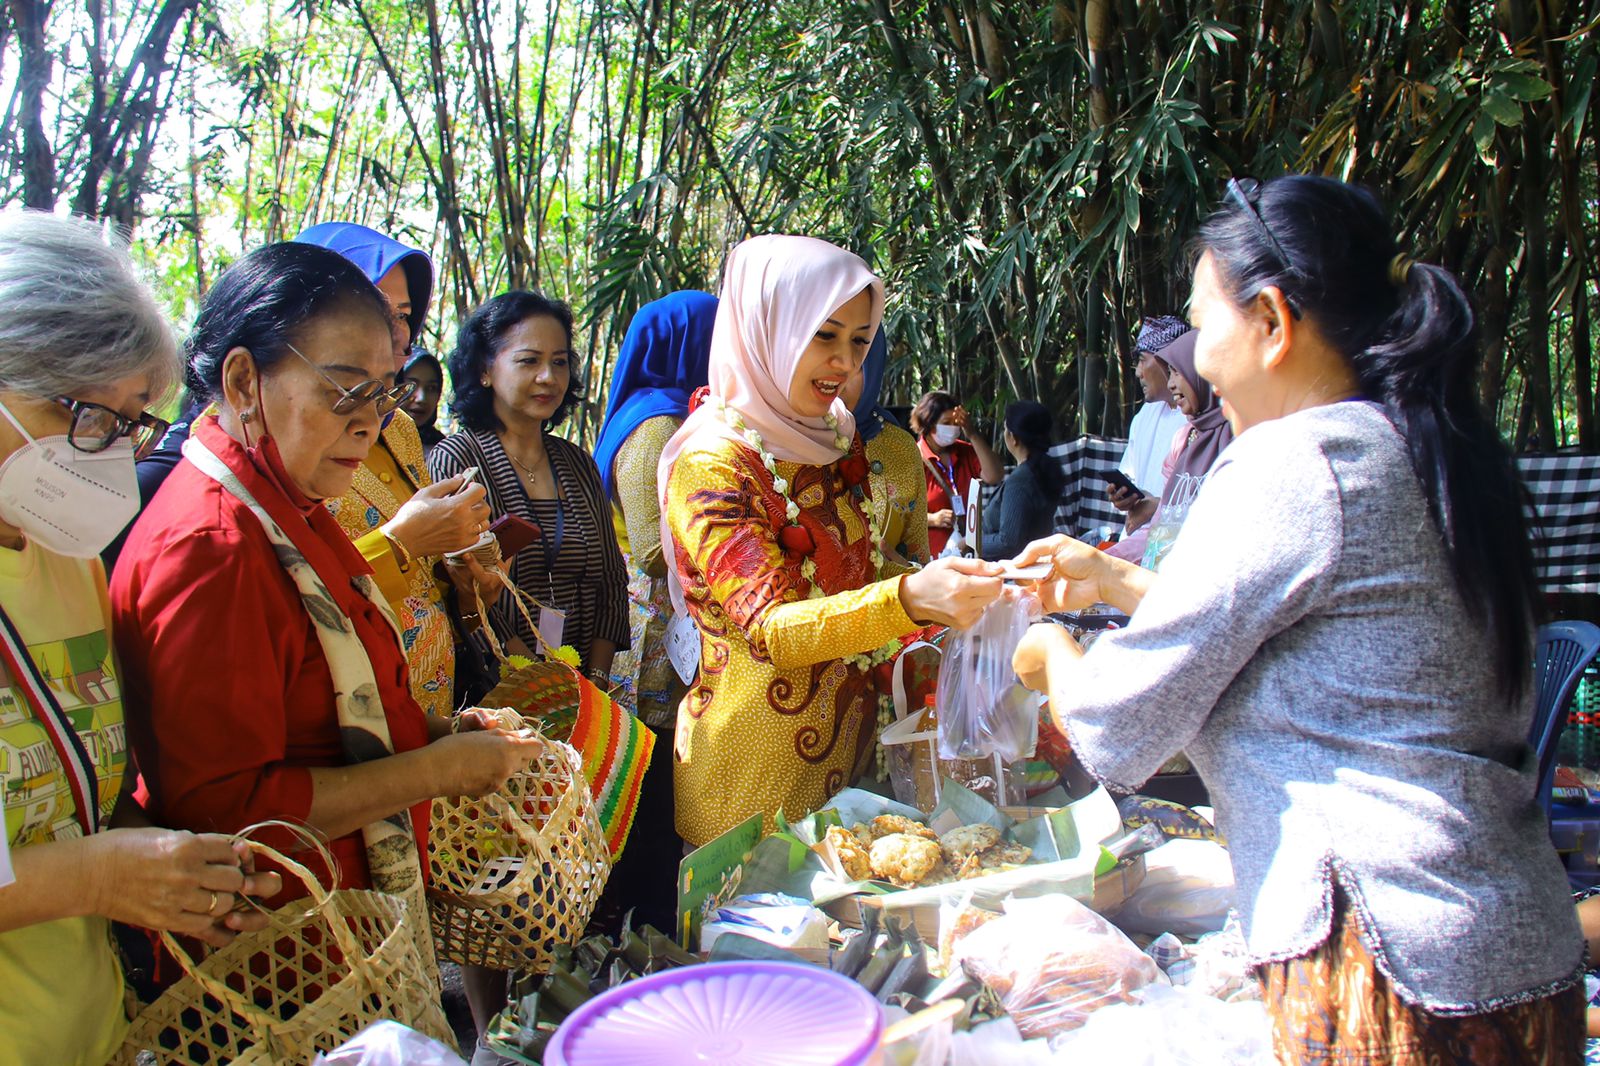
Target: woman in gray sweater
1341, 640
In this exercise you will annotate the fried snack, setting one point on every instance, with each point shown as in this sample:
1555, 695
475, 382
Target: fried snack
903, 859
885, 824
852, 856
967, 840
863, 833
971, 866
941, 874
1004, 855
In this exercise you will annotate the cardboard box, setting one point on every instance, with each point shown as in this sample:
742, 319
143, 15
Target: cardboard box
711, 875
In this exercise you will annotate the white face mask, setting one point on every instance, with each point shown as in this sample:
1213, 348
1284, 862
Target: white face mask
71, 502
946, 435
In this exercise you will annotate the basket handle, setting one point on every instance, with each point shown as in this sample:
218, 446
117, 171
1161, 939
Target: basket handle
261, 1022
522, 599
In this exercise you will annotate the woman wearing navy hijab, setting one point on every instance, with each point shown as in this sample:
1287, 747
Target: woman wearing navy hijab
398, 518
899, 496
662, 361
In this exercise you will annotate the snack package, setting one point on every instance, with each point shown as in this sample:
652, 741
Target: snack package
1053, 962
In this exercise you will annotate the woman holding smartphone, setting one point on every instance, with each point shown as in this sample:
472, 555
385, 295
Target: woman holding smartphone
514, 382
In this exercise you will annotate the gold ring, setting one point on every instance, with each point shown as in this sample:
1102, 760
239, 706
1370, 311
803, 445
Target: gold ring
212, 906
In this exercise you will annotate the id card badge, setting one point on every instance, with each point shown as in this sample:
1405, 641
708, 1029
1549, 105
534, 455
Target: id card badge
958, 505
683, 647
551, 624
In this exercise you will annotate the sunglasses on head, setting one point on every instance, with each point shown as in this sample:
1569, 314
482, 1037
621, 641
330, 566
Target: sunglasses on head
373, 391
96, 427
1243, 194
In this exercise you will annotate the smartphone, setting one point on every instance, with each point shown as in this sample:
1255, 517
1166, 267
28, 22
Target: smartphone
467, 476
1121, 481
514, 534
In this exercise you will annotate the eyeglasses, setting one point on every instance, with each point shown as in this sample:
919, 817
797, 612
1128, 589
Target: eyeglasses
1243, 194
370, 391
96, 427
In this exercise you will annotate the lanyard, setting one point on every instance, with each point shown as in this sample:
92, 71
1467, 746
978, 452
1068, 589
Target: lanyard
552, 548
74, 758
949, 472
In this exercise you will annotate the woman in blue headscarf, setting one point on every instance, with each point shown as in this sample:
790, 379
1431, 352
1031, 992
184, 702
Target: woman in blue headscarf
400, 520
899, 496
662, 361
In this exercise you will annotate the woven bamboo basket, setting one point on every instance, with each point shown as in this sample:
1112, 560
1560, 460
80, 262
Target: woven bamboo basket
313, 978
517, 873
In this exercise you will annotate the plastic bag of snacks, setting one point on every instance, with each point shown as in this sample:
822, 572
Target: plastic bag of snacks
1053, 962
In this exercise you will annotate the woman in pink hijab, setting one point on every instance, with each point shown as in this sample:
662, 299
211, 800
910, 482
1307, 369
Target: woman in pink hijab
765, 505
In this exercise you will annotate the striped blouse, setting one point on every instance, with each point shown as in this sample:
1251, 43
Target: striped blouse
576, 566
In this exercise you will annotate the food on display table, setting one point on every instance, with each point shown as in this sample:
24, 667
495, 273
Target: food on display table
907, 853
903, 859
852, 852
885, 824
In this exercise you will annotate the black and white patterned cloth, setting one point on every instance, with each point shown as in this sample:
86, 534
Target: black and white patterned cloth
1084, 505
1564, 491
1156, 333
1565, 519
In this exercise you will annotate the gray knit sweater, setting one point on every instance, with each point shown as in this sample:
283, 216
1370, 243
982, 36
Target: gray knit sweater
1305, 646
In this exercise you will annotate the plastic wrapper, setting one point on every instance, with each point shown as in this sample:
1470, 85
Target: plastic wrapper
1172, 1027
998, 1043
1187, 889
983, 711
1216, 965
921, 1039
389, 1044
1053, 962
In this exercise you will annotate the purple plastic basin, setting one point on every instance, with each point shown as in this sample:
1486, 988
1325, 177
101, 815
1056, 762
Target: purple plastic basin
724, 1014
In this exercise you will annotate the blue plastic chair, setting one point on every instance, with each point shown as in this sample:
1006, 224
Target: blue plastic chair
1563, 652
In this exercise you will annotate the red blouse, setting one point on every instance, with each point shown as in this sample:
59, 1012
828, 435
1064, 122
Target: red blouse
960, 460
228, 695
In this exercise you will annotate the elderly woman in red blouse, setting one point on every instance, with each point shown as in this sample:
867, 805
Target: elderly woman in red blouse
265, 678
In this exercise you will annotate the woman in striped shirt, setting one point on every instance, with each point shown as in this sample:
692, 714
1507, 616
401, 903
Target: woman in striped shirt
514, 382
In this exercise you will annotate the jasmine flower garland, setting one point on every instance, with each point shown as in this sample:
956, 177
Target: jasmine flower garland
791, 510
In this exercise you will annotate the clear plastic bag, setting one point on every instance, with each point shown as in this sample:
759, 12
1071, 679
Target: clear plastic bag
1172, 1027
1168, 520
983, 711
389, 1044
1187, 889
1054, 962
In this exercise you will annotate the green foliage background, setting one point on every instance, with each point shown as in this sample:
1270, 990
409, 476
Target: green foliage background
1024, 175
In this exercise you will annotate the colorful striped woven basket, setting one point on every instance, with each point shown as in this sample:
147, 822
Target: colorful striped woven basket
615, 746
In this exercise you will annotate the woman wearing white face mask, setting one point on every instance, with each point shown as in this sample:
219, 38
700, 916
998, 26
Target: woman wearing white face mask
950, 463
84, 350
